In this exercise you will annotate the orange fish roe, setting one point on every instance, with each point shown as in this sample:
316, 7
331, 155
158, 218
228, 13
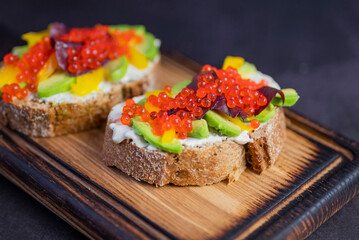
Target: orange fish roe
13, 90
255, 123
97, 45
30, 65
94, 47
238, 92
178, 113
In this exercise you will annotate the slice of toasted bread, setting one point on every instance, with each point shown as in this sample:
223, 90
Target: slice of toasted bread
208, 164
43, 119
267, 143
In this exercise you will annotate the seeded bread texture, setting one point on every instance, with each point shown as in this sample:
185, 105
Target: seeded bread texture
204, 165
40, 119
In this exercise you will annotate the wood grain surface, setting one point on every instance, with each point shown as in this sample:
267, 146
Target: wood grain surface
316, 174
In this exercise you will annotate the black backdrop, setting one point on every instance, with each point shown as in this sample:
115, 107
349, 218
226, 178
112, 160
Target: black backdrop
312, 46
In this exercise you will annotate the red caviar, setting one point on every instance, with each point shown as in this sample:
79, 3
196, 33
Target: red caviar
97, 46
10, 59
13, 90
178, 112
255, 123
30, 65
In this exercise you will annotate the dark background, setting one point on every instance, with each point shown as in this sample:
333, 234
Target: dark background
312, 46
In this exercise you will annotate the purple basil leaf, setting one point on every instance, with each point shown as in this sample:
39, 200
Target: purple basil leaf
58, 28
61, 51
269, 93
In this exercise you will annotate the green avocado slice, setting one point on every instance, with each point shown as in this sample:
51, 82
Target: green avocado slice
57, 83
142, 102
291, 97
265, 115
246, 69
221, 124
117, 68
140, 29
20, 50
200, 129
144, 129
148, 47
176, 89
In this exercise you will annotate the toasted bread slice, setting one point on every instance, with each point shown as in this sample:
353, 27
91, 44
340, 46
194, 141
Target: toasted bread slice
43, 119
207, 164
268, 141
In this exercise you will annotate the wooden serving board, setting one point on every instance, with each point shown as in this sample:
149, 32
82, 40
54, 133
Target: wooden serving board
316, 174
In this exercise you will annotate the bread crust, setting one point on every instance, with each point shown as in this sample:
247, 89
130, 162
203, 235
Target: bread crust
40, 119
204, 165
267, 143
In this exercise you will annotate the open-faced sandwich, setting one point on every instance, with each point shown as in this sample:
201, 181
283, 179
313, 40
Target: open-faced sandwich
200, 131
66, 80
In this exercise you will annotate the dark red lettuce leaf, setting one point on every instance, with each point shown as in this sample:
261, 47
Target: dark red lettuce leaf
238, 111
61, 51
194, 84
220, 104
58, 28
62, 46
269, 93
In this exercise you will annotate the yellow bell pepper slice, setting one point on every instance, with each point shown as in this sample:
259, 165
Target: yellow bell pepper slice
8, 74
87, 83
33, 37
168, 136
155, 92
150, 108
50, 67
234, 62
137, 59
236, 121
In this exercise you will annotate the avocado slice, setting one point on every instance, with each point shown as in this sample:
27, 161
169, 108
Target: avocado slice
148, 47
142, 102
265, 115
116, 69
246, 69
291, 97
176, 89
221, 124
200, 129
57, 83
22, 84
139, 29
144, 129
20, 50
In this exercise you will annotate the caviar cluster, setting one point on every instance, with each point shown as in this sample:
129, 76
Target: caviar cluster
190, 104
12, 90
238, 92
97, 46
29, 67
155, 111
